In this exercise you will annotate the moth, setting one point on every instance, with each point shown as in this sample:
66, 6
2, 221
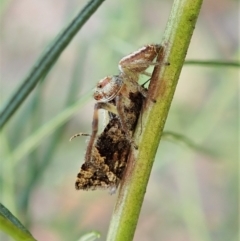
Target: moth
121, 95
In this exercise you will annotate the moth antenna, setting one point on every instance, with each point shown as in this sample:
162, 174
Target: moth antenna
79, 134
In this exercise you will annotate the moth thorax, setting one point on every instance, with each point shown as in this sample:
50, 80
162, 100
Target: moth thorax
108, 88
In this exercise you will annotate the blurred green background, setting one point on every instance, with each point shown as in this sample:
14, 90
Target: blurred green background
192, 193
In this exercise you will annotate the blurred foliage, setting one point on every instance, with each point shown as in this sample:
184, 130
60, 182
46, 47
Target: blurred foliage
188, 187
12, 226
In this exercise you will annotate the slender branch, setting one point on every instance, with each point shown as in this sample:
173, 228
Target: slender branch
46, 61
213, 63
175, 44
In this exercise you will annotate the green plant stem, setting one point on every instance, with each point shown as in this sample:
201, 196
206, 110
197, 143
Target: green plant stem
213, 63
162, 87
46, 61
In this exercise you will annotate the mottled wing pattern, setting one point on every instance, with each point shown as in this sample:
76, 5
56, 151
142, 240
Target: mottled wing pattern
110, 152
109, 159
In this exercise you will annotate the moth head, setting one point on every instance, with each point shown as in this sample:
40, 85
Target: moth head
108, 88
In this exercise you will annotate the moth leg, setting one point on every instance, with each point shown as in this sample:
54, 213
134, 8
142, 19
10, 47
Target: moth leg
94, 133
139, 60
121, 114
95, 121
138, 68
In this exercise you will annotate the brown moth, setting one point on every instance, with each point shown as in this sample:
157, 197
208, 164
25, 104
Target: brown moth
122, 96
